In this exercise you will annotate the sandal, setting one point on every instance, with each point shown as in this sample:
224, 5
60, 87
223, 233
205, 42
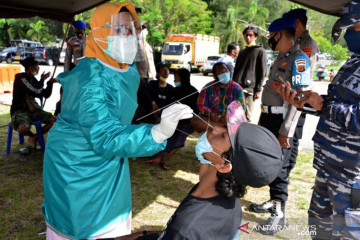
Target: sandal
165, 166
27, 150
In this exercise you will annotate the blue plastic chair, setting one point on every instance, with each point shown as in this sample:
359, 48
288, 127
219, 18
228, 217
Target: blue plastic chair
21, 137
38, 128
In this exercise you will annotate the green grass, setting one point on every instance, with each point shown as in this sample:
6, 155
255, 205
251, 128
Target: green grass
156, 193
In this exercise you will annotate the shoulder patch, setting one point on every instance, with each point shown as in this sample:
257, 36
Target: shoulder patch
301, 71
308, 50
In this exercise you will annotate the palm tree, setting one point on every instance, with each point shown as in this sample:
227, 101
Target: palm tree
37, 31
254, 15
17, 29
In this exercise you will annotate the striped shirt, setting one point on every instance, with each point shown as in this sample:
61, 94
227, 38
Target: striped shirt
214, 99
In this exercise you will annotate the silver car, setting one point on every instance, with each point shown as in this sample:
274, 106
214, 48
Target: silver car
210, 61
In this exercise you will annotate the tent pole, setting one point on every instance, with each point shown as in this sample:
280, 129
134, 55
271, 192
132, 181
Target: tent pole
61, 48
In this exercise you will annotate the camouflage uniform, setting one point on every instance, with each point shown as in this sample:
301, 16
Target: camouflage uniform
74, 52
337, 157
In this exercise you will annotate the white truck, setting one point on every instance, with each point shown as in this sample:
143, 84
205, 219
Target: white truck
189, 50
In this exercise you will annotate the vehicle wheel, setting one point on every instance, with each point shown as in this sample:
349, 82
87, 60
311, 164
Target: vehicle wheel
50, 62
205, 73
8, 60
189, 67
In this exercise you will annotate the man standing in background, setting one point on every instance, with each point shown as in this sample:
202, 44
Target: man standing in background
75, 46
311, 48
228, 59
250, 69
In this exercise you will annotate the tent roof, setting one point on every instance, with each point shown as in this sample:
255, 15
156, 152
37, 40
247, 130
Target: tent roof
61, 10
331, 7
64, 10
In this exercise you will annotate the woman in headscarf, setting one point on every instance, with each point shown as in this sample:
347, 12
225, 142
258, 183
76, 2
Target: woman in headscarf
86, 172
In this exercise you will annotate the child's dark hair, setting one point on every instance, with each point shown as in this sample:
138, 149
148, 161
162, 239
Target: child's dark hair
160, 65
226, 185
217, 64
184, 75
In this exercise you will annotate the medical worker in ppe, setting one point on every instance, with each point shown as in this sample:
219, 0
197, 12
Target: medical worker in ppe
86, 172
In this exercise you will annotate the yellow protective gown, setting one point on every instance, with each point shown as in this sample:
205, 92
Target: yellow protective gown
86, 172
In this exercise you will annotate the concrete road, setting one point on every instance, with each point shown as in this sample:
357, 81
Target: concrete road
198, 81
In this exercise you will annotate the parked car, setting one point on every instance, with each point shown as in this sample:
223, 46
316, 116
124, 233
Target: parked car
48, 55
62, 56
324, 56
270, 60
8, 54
21, 49
210, 61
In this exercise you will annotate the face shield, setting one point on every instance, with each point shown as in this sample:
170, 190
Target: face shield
122, 42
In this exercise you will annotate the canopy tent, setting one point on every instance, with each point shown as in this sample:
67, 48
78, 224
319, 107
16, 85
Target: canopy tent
331, 7
63, 10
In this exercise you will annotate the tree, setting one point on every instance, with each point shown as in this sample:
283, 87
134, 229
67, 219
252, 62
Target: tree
4, 37
38, 31
337, 52
17, 29
165, 17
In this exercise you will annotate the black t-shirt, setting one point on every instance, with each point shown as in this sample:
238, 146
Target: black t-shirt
27, 85
215, 218
162, 96
189, 96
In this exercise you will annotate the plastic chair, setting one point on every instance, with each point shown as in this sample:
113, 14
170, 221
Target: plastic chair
39, 133
21, 137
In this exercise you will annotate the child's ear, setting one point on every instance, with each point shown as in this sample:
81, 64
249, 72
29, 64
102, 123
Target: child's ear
224, 167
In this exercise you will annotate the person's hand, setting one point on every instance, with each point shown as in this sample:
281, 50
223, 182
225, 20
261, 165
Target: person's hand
284, 91
52, 80
256, 95
214, 117
45, 75
312, 98
284, 141
154, 106
170, 118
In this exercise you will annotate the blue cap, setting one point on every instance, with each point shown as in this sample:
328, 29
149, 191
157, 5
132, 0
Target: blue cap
281, 24
351, 15
79, 24
295, 14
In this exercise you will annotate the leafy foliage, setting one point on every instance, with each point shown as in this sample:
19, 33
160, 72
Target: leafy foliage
336, 51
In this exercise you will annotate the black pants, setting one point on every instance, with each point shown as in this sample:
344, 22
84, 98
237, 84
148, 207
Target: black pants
279, 187
297, 136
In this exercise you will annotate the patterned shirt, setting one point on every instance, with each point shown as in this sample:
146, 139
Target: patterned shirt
337, 137
214, 99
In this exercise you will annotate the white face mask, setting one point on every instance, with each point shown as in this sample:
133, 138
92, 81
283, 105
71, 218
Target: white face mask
122, 49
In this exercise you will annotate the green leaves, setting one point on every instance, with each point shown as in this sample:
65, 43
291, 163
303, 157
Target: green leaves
38, 31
